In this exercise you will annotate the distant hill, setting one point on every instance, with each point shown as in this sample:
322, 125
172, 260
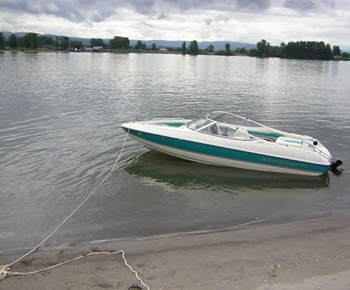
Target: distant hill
218, 45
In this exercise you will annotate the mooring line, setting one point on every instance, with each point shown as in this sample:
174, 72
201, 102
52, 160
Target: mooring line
5, 269
5, 272
76, 209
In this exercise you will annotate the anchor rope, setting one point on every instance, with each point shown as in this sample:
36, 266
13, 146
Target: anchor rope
5, 269
76, 209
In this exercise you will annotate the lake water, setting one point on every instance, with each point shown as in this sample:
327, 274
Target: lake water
60, 116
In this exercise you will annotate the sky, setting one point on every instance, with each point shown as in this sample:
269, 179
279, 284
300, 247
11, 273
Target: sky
248, 21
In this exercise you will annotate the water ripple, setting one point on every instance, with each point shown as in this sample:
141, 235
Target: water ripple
60, 135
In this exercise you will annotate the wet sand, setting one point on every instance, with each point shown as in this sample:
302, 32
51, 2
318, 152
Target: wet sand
310, 255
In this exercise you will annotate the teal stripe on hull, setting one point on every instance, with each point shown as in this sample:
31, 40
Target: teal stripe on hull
171, 124
229, 153
273, 135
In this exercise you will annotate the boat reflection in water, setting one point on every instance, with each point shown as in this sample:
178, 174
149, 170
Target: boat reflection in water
159, 168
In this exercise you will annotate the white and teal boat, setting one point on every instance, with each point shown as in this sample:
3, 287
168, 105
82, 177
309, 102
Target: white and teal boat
229, 140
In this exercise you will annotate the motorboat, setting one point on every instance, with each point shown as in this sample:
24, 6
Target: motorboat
230, 140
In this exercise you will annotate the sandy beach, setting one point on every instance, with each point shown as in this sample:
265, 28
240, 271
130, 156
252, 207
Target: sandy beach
312, 254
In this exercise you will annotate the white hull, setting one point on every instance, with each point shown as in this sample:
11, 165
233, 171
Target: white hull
282, 155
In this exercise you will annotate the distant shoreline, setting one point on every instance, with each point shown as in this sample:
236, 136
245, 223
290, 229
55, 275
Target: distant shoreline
146, 52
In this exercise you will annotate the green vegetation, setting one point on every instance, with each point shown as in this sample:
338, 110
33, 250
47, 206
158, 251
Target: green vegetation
292, 50
140, 45
263, 49
183, 47
2, 41
228, 48
97, 42
210, 48
307, 50
33, 41
193, 48
298, 50
12, 41
30, 40
345, 55
119, 42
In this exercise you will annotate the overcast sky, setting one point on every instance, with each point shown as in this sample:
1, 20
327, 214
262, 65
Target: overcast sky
184, 20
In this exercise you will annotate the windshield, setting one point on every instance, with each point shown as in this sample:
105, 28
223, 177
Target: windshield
224, 125
232, 119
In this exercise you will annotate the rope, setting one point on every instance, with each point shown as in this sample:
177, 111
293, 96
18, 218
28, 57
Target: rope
74, 211
5, 269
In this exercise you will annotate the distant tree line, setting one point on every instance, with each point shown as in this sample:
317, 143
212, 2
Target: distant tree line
33, 41
308, 50
291, 50
119, 42
2, 41
298, 50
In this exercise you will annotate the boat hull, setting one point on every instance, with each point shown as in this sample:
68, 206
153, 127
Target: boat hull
180, 143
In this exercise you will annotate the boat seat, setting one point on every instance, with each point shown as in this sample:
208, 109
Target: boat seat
214, 129
293, 142
241, 134
289, 141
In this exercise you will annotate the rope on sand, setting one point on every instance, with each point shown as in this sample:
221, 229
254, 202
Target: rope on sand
5, 269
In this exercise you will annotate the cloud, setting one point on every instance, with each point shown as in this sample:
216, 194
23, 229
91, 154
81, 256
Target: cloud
49, 8
146, 24
305, 6
253, 5
145, 7
163, 16
238, 20
75, 11
207, 21
221, 18
88, 10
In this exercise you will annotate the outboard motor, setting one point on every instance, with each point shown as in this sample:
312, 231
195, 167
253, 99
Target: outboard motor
334, 166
